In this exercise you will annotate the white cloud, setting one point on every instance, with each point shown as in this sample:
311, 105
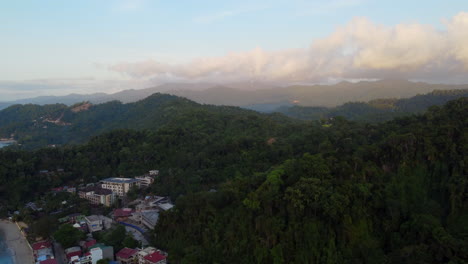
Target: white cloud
361, 49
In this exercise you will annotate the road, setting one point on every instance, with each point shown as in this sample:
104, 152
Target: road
59, 253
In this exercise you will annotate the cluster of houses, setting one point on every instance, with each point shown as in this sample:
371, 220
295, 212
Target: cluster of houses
90, 252
43, 253
144, 215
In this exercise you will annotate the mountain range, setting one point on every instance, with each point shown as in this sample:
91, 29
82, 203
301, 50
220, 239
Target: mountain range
265, 98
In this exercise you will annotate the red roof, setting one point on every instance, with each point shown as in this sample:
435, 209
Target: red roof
123, 212
41, 245
155, 257
49, 261
72, 254
126, 253
90, 243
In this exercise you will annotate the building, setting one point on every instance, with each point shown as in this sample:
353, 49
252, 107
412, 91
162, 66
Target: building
154, 173
145, 252
42, 250
127, 256
88, 243
122, 214
149, 218
155, 258
97, 196
120, 186
101, 251
73, 253
165, 206
145, 180
151, 203
98, 222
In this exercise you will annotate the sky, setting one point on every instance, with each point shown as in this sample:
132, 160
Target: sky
54, 47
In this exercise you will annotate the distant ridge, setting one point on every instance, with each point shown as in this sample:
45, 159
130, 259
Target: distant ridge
250, 95
376, 110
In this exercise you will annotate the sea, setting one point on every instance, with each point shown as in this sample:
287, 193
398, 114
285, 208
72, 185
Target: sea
6, 254
3, 144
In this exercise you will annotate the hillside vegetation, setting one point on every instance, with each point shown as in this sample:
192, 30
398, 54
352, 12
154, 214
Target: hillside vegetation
253, 188
377, 110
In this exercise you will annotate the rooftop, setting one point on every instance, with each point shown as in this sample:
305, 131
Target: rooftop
126, 253
41, 245
120, 180
93, 218
151, 215
97, 190
122, 212
155, 257
49, 261
166, 206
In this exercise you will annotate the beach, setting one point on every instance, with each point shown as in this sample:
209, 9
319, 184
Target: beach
15, 241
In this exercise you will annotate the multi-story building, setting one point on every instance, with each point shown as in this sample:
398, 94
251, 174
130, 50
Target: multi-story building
120, 186
145, 180
96, 195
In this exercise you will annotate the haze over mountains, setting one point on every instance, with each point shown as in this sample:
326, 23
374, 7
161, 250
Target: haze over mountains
265, 96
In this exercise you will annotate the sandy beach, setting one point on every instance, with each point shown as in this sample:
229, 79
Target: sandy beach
16, 241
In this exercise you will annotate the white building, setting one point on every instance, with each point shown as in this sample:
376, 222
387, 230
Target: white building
120, 186
145, 180
98, 222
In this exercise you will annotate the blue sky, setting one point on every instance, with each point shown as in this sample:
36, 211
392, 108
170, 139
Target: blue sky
83, 40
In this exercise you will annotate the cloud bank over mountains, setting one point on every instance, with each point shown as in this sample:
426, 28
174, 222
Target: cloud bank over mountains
359, 50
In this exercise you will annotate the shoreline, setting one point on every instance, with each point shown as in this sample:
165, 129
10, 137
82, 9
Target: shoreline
16, 242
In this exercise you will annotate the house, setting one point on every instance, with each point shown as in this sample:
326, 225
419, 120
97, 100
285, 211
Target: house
88, 243
120, 186
101, 251
32, 206
73, 253
154, 173
127, 256
155, 258
98, 222
42, 250
122, 214
147, 256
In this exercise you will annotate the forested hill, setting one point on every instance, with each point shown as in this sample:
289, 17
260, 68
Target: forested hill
377, 110
38, 126
390, 193
253, 188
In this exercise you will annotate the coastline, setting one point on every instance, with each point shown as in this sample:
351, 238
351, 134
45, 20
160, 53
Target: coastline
15, 241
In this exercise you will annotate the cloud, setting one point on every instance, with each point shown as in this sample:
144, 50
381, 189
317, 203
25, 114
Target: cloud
360, 49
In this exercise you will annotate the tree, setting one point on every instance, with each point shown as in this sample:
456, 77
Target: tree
130, 242
68, 236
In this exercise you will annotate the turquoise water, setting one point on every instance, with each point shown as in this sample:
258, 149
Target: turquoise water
5, 253
1, 146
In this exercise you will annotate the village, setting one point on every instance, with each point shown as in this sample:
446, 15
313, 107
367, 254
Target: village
110, 196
